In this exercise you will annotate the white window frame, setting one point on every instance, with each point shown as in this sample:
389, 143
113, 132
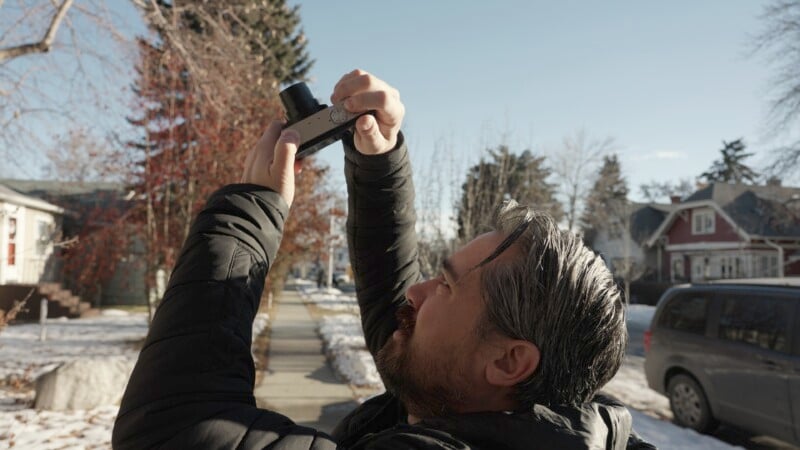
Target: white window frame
43, 237
703, 221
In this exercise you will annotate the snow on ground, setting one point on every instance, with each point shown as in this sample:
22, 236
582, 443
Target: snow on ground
344, 338
630, 387
329, 299
344, 341
23, 357
114, 333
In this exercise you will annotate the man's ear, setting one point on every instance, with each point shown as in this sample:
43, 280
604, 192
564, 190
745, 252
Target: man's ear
515, 364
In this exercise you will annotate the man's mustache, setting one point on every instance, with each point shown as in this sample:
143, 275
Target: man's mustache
406, 319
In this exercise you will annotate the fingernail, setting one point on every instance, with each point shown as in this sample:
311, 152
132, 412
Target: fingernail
290, 136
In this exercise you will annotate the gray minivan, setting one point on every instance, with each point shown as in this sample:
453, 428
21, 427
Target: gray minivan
729, 351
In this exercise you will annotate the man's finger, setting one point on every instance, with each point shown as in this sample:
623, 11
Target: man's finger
356, 83
368, 133
387, 108
345, 85
285, 151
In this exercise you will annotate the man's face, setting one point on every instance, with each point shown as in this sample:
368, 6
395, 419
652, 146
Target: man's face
433, 362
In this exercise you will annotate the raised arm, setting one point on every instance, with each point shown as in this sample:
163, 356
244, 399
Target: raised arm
192, 386
381, 217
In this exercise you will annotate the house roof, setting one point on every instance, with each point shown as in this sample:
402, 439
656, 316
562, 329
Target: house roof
770, 211
10, 195
61, 188
646, 218
755, 211
70, 194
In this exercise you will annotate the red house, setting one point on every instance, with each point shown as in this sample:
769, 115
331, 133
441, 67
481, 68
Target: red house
730, 231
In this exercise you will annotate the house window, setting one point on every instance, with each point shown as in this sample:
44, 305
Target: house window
731, 267
12, 241
703, 221
42, 237
768, 266
678, 271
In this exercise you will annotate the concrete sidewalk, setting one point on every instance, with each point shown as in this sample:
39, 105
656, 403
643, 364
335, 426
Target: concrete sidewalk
298, 382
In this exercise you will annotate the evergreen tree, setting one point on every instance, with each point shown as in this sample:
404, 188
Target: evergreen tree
608, 210
270, 31
501, 176
730, 168
610, 190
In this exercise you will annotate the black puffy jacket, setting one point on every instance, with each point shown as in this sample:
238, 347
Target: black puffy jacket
192, 386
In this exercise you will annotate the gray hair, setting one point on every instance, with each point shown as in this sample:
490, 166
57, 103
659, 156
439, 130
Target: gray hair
559, 295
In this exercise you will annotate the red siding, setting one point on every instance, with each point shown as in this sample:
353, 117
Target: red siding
680, 231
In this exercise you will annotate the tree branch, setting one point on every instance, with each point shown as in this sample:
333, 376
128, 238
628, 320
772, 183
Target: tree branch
42, 46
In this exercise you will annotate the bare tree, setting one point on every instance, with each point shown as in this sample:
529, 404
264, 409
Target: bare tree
778, 41
82, 157
57, 61
572, 165
618, 221
435, 227
43, 45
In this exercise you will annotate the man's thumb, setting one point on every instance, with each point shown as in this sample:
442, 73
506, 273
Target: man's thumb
370, 134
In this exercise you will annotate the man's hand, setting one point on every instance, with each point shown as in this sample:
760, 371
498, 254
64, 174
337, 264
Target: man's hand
361, 92
271, 162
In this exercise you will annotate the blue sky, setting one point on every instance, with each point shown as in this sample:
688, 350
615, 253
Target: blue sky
668, 80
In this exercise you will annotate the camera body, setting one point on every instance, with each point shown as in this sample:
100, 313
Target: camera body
318, 125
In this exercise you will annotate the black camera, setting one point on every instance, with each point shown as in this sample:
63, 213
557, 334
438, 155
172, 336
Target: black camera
319, 125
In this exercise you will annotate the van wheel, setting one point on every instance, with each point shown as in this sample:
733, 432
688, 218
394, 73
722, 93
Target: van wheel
689, 404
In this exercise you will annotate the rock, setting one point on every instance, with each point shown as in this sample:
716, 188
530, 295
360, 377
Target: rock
83, 384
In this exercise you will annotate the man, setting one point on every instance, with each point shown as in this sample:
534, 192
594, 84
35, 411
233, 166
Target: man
506, 348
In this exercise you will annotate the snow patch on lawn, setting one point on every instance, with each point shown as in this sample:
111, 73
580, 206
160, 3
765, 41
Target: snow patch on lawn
345, 344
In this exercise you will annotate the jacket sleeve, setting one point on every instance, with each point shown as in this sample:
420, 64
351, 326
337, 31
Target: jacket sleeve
192, 386
381, 236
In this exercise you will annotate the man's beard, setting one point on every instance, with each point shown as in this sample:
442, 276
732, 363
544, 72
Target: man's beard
428, 387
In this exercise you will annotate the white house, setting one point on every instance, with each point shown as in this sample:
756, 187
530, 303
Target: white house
27, 228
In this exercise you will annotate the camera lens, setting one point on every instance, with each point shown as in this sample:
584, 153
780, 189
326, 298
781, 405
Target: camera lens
298, 102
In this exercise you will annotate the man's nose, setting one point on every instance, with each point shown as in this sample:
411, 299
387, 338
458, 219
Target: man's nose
417, 294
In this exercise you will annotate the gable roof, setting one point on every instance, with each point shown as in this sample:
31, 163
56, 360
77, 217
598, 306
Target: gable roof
646, 219
11, 196
70, 194
754, 211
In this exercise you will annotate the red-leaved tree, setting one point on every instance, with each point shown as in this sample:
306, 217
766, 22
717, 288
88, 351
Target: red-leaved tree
196, 129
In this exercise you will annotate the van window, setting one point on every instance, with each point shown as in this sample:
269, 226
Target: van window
685, 312
756, 320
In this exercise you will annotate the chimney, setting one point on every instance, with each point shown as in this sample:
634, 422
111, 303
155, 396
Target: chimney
674, 199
